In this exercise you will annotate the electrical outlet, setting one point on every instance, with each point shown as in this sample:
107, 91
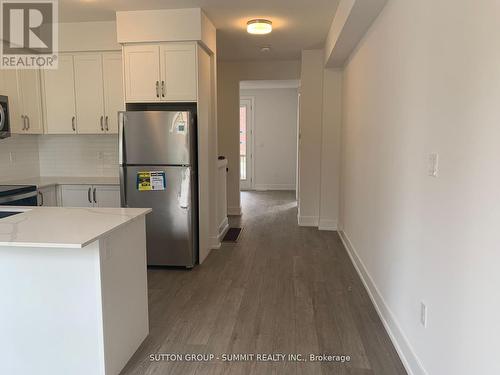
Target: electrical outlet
423, 314
433, 164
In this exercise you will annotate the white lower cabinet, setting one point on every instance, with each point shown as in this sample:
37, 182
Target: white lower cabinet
47, 196
90, 195
106, 196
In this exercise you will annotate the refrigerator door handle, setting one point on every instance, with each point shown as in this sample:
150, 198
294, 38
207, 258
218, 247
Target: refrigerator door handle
121, 137
123, 187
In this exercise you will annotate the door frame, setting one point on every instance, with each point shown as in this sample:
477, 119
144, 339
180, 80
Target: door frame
249, 183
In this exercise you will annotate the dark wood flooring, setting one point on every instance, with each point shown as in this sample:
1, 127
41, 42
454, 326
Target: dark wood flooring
281, 289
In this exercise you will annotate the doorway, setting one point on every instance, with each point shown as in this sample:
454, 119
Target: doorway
268, 135
246, 143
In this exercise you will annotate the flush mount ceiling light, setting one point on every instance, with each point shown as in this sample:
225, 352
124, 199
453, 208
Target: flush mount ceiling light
259, 26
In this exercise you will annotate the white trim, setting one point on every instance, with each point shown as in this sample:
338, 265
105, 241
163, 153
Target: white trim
248, 184
308, 221
327, 224
223, 228
411, 362
264, 187
215, 243
270, 84
234, 211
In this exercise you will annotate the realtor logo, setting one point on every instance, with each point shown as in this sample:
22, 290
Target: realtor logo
29, 34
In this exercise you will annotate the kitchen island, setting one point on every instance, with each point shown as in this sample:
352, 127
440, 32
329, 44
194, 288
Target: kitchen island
73, 289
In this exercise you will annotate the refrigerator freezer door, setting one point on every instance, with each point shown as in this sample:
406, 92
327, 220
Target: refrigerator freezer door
170, 228
155, 138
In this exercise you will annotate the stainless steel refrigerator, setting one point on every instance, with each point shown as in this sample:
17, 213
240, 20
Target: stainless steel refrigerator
157, 157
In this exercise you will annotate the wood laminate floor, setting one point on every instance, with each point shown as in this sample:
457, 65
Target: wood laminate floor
281, 289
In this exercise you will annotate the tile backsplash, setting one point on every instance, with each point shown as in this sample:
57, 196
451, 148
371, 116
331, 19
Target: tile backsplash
81, 155
19, 157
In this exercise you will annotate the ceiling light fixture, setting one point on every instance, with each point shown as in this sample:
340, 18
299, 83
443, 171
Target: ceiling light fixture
259, 26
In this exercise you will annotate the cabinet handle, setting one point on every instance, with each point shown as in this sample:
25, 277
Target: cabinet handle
107, 124
41, 198
157, 89
24, 122
163, 89
95, 199
73, 126
27, 122
102, 124
88, 195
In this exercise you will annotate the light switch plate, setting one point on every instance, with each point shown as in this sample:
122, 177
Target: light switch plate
433, 164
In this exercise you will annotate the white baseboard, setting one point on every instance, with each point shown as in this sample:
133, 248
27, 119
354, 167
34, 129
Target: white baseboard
223, 228
265, 187
215, 243
308, 221
326, 224
236, 211
405, 351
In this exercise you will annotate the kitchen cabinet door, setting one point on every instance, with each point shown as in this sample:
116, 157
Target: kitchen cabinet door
106, 196
76, 196
89, 93
8, 87
47, 196
30, 93
141, 73
113, 89
59, 89
178, 72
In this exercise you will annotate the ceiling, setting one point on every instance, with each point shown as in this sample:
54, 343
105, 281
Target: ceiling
297, 24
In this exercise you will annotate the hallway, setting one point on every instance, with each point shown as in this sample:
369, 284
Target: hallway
281, 289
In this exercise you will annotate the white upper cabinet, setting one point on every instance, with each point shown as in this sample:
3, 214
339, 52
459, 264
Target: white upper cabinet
30, 99
60, 97
160, 72
142, 73
25, 100
113, 89
178, 72
89, 93
84, 95
8, 87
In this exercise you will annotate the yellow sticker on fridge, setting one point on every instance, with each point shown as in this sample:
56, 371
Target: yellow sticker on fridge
151, 181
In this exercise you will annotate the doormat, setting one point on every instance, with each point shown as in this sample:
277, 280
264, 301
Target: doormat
232, 235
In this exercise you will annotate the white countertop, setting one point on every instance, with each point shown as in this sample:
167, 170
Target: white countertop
62, 227
42, 182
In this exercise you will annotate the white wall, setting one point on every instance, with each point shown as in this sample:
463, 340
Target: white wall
330, 150
81, 155
319, 149
88, 36
275, 137
229, 75
19, 157
310, 124
426, 79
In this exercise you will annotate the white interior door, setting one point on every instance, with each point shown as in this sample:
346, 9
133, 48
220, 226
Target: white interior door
89, 93
246, 143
